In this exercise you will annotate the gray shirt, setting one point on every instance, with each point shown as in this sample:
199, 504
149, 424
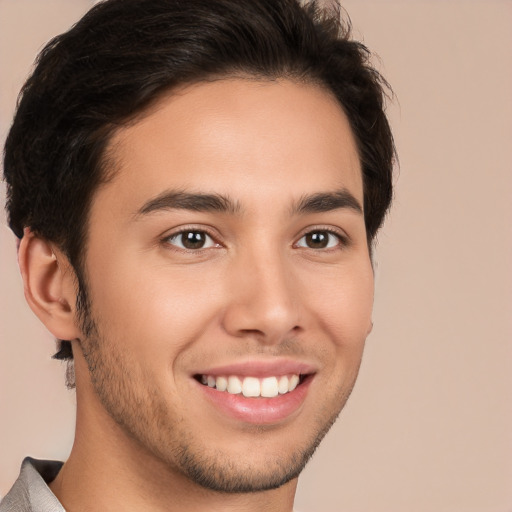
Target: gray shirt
30, 493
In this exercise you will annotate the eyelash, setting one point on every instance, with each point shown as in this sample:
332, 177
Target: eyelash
167, 240
343, 240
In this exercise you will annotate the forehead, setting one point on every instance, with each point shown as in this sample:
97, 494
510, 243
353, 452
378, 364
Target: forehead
245, 138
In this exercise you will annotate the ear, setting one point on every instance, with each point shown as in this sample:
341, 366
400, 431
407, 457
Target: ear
49, 285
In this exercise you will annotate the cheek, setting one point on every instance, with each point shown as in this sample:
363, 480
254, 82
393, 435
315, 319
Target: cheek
345, 307
152, 309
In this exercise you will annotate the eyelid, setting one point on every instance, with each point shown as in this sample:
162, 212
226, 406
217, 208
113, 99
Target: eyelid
164, 239
344, 239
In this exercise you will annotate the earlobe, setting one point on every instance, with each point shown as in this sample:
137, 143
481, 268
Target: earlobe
48, 284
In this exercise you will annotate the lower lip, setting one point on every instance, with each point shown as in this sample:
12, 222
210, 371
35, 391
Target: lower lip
259, 411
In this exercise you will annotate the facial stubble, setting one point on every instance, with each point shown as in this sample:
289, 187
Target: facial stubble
145, 418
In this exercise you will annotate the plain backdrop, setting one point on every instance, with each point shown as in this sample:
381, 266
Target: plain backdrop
429, 425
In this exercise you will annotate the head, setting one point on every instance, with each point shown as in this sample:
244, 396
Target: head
102, 94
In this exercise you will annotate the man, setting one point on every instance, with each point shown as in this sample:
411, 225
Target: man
196, 187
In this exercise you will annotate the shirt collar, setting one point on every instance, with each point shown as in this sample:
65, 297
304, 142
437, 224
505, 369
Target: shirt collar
30, 492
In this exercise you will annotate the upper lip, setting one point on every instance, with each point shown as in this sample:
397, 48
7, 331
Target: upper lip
261, 368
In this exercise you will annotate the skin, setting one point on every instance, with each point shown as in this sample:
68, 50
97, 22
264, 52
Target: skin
256, 291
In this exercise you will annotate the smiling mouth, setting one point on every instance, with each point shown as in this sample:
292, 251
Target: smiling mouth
253, 387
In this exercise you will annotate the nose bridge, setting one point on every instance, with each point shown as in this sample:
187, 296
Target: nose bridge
265, 298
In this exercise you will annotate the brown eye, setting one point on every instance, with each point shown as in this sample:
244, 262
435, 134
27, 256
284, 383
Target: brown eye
319, 240
191, 240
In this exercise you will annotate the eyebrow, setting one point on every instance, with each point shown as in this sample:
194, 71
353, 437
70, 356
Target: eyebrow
199, 202
327, 201
172, 199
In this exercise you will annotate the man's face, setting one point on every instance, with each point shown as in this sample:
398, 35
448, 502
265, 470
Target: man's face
228, 250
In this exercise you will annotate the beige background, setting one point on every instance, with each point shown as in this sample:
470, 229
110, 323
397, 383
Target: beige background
429, 426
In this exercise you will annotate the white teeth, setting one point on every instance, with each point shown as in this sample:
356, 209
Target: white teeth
294, 380
251, 387
234, 385
283, 385
267, 387
221, 383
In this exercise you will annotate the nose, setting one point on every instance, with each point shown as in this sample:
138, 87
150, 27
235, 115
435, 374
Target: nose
263, 299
